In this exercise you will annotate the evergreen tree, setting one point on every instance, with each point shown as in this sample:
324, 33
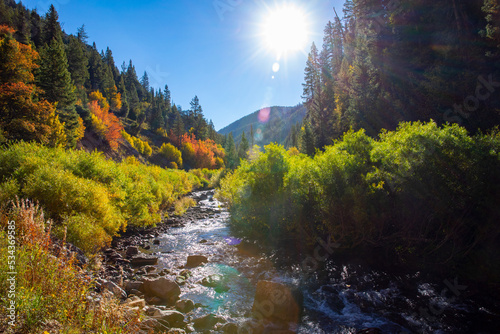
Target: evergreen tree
145, 81
21, 24
77, 62
51, 27
82, 35
55, 80
178, 125
196, 119
243, 147
36, 30
123, 91
96, 69
308, 145
231, 154
252, 136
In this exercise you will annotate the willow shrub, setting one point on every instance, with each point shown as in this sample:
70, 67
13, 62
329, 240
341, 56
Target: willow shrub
88, 195
422, 186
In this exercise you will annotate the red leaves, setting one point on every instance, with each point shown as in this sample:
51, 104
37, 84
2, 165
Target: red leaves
106, 124
199, 153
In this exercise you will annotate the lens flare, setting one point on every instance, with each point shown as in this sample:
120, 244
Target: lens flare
264, 115
276, 67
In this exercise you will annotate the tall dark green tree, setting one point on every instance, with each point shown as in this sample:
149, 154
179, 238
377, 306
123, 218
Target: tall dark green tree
51, 27
77, 62
197, 120
243, 147
55, 80
231, 154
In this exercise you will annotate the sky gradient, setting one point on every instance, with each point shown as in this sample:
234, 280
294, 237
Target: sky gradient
212, 49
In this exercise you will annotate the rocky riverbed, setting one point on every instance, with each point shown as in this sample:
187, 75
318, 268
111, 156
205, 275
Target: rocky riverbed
188, 281
190, 274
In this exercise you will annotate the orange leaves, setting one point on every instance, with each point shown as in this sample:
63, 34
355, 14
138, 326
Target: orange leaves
22, 117
17, 61
106, 124
200, 153
6, 30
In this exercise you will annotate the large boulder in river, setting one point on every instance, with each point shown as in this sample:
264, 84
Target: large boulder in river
162, 288
195, 261
276, 302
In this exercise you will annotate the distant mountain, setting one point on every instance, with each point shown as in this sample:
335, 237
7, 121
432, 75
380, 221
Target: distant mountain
270, 125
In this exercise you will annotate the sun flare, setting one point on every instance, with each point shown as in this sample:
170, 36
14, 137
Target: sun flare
285, 29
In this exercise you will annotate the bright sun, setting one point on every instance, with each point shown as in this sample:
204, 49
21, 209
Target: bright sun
285, 29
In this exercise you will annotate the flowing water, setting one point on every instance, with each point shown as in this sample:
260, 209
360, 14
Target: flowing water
346, 299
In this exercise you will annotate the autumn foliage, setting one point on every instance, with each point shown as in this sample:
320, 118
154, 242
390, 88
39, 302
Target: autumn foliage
106, 124
198, 153
22, 114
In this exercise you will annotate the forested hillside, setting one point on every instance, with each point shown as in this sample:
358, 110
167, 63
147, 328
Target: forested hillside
60, 90
268, 125
388, 61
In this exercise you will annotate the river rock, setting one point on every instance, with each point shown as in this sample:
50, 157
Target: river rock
207, 322
229, 328
184, 306
132, 250
132, 285
135, 302
162, 288
275, 302
115, 289
176, 331
195, 261
153, 312
215, 281
172, 318
144, 260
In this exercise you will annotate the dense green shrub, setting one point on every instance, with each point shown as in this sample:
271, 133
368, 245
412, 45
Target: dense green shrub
420, 187
92, 196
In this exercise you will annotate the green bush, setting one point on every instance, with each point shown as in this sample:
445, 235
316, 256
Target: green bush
420, 187
92, 196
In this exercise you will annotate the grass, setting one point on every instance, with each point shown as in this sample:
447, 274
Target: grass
51, 292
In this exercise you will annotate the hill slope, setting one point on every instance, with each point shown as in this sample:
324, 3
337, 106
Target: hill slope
269, 124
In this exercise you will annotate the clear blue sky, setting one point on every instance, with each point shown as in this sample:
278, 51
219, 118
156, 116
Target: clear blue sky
213, 49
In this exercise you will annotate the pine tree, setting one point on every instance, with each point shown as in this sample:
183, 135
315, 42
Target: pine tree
36, 31
55, 80
178, 125
51, 27
123, 91
243, 147
96, 69
145, 81
252, 136
77, 62
308, 145
82, 35
23, 116
231, 154
21, 23
196, 119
